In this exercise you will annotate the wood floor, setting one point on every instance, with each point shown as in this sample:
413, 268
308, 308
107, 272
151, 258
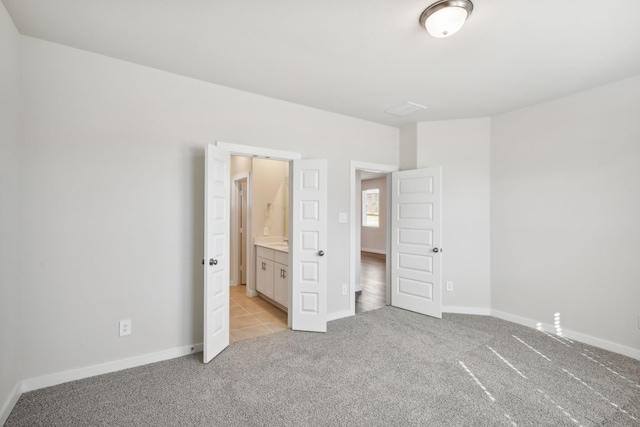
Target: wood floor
373, 279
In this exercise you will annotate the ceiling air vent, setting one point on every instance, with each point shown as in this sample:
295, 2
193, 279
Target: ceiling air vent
405, 109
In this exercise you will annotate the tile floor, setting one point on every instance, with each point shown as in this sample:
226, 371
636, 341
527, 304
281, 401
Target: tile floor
255, 317
252, 317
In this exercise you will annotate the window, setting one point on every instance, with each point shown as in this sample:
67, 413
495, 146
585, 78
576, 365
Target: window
371, 207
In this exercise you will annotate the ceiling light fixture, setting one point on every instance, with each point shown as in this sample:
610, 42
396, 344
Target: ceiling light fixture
445, 17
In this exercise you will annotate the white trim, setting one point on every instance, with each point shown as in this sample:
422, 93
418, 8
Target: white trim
354, 222
242, 176
10, 403
105, 368
338, 315
467, 310
516, 319
251, 151
374, 251
587, 339
251, 256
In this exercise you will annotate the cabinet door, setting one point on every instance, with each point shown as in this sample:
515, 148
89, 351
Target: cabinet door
264, 276
281, 285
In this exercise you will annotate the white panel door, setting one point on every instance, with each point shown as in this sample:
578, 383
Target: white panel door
216, 253
308, 266
416, 265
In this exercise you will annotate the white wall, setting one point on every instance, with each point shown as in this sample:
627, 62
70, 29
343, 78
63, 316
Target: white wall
240, 164
374, 239
113, 198
565, 212
461, 148
408, 146
9, 212
269, 187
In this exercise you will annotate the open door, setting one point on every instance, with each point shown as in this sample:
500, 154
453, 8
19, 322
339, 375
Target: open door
216, 253
416, 264
308, 260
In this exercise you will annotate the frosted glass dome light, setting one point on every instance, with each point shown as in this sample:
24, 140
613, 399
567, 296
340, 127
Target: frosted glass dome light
444, 18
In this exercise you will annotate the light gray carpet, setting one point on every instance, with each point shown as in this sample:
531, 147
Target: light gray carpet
387, 367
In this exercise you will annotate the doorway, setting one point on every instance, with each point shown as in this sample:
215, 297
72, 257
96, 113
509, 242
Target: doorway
307, 279
371, 288
259, 214
374, 265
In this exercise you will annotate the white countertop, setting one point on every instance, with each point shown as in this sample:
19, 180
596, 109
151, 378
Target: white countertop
276, 246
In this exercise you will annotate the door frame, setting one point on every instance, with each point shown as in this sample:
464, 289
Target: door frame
247, 232
354, 235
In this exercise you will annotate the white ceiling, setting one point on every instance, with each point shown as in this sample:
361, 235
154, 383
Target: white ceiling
359, 57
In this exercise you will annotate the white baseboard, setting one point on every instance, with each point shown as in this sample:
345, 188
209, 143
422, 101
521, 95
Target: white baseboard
587, 339
10, 403
374, 251
105, 368
338, 315
466, 310
90, 371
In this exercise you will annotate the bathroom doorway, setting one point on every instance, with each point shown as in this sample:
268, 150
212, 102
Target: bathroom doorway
259, 214
307, 186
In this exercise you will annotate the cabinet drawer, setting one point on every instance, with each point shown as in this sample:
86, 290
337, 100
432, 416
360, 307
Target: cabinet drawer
281, 257
264, 252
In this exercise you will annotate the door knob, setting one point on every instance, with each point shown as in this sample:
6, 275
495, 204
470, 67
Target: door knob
213, 261
321, 253
436, 250
202, 261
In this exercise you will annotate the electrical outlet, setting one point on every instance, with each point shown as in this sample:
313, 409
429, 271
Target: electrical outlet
266, 231
125, 327
449, 286
345, 289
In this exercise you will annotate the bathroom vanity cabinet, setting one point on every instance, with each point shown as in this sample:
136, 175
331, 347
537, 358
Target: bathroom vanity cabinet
272, 274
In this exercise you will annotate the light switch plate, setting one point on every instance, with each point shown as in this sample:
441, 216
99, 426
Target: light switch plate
342, 217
